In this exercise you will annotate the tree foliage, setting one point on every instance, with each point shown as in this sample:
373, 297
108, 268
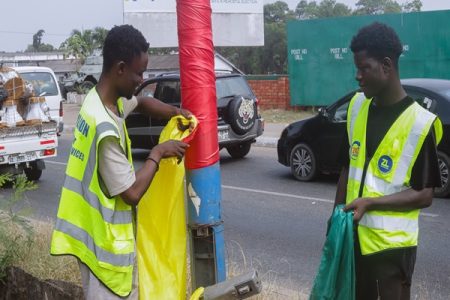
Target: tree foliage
15, 229
272, 58
37, 39
83, 43
412, 6
37, 45
376, 7
325, 9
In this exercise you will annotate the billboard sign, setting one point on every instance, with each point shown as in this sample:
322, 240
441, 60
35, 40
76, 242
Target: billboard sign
235, 22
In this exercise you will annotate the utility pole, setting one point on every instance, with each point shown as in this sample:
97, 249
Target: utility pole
198, 87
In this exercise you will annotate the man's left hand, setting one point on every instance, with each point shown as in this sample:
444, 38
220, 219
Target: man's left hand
359, 208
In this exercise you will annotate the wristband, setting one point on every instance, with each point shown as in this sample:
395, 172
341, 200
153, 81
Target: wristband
156, 163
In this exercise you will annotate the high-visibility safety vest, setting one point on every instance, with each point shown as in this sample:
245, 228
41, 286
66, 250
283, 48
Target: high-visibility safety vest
387, 172
96, 229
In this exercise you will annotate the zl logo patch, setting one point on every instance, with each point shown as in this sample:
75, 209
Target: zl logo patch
385, 164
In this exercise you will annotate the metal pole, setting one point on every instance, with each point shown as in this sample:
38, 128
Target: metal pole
202, 158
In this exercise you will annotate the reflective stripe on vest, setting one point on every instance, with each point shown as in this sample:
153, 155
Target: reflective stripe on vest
388, 172
389, 223
354, 106
95, 228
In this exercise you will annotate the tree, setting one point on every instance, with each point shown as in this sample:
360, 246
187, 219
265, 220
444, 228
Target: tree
376, 7
98, 37
37, 45
305, 10
277, 12
412, 6
37, 39
83, 43
273, 57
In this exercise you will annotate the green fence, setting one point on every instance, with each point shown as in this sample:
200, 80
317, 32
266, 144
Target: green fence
321, 63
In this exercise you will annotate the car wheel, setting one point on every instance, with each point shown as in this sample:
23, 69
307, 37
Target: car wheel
303, 163
239, 150
444, 166
33, 173
86, 86
241, 114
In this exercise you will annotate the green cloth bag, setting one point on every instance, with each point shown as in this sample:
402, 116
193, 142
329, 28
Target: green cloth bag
335, 279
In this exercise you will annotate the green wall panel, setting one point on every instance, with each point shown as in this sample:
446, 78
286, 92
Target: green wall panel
321, 63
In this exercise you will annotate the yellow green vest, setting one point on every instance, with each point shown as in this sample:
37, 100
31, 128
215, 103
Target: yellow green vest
388, 172
96, 229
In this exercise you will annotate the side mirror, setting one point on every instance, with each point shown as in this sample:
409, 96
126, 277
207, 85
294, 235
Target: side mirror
323, 112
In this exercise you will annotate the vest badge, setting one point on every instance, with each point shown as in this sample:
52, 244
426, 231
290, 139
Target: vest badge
354, 150
385, 164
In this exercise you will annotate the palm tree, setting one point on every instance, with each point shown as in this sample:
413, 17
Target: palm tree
83, 43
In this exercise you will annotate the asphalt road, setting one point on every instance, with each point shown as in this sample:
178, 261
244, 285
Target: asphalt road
277, 225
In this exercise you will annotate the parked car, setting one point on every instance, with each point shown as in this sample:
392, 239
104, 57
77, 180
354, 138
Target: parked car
239, 121
86, 77
311, 146
45, 84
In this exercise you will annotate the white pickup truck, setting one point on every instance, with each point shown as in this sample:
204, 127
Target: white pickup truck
23, 148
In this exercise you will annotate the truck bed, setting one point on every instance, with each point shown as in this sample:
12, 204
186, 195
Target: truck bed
28, 143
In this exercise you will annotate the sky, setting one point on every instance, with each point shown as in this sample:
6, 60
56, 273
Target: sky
20, 19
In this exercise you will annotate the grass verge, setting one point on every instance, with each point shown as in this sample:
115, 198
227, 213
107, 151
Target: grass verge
37, 261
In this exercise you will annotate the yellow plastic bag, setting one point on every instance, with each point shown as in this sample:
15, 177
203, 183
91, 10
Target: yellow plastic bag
161, 227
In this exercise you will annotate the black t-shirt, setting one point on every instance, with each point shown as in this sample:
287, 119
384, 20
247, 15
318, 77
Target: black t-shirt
425, 172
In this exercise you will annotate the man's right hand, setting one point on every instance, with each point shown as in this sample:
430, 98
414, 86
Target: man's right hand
170, 148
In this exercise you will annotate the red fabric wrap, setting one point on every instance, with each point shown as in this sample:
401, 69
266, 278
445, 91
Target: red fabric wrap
198, 84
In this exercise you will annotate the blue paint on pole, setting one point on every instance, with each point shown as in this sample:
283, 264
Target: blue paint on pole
206, 184
205, 225
219, 240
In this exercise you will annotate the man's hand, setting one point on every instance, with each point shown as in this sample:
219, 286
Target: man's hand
170, 148
359, 208
184, 112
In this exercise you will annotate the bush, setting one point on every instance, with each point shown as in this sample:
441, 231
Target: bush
15, 230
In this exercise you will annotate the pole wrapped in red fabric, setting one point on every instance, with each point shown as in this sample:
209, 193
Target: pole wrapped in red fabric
198, 85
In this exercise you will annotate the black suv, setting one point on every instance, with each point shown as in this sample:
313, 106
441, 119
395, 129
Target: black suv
239, 121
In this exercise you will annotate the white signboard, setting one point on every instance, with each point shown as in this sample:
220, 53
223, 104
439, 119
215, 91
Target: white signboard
222, 6
235, 22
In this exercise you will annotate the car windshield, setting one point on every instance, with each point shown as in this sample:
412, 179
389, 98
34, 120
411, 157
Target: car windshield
232, 86
43, 83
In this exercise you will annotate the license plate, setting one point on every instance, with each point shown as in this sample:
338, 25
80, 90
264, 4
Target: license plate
13, 159
223, 135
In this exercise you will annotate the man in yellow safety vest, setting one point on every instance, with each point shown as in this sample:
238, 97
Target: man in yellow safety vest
95, 216
390, 167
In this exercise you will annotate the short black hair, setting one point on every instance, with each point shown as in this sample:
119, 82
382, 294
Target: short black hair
379, 40
123, 43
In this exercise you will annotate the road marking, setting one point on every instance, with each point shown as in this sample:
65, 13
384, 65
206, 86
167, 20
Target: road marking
429, 215
277, 194
55, 163
300, 197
